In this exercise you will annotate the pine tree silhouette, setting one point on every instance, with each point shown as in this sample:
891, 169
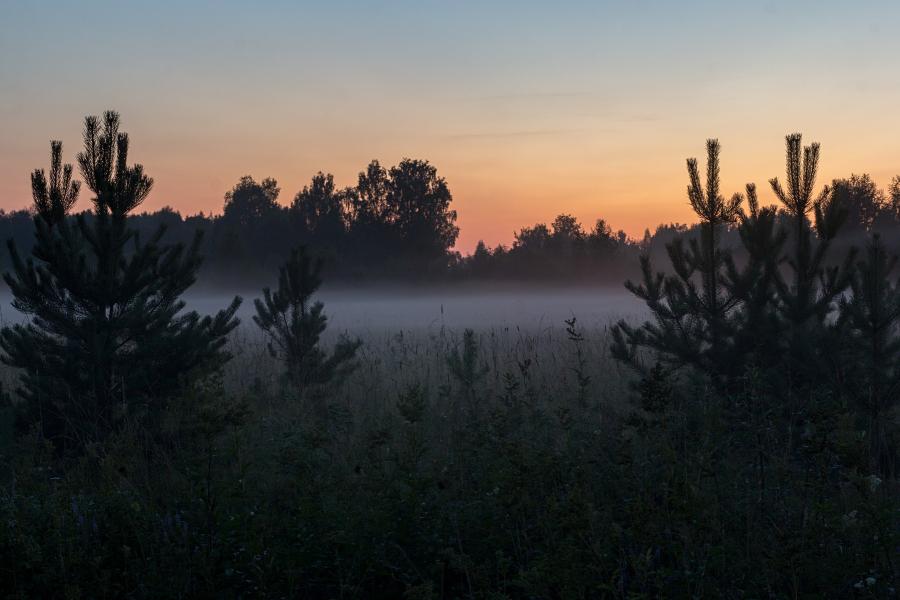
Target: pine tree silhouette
293, 322
753, 324
753, 314
806, 294
690, 322
782, 315
814, 284
869, 325
107, 334
54, 198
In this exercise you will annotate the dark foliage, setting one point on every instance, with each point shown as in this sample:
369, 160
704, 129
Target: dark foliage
293, 323
107, 334
786, 313
397, 223
870, 363
695, 321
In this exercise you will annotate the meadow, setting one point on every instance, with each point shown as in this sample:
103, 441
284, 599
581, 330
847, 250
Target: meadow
514, 461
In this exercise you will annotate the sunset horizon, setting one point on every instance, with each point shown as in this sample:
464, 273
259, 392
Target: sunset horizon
592, 117
669, 206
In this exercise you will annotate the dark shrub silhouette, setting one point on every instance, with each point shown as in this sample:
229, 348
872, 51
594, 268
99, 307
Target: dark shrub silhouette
870, 364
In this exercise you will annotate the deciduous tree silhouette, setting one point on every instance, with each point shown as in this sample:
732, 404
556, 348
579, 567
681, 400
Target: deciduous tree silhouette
318, 209
420, 203
861, 198
107, 335
249, 201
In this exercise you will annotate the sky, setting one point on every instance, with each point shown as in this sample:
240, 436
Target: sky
528, 109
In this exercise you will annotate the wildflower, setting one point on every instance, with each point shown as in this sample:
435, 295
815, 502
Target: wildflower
874, 481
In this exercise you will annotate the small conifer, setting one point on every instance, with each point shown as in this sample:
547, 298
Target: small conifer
107, 334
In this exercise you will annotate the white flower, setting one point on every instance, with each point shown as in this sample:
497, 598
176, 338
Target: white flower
874, 482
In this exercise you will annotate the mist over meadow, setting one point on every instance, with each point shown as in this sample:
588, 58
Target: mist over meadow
394, 308
449, 300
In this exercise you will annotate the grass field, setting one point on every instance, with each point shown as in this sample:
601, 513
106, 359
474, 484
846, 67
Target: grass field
509, 462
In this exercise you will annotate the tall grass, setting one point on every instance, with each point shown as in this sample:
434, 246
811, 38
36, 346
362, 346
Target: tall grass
517, 466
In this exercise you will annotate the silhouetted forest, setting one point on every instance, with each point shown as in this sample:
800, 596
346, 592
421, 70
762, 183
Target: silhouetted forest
398, 224
742, 441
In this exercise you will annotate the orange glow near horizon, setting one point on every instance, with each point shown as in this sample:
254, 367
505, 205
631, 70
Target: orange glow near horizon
528, 110
499, 183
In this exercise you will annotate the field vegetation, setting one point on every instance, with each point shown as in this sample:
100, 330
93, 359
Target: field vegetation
741, 443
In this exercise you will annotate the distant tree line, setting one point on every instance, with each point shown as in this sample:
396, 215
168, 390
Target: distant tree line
565, 250
395, 222
398, 223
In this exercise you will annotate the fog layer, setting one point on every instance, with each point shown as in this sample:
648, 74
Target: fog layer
386, 309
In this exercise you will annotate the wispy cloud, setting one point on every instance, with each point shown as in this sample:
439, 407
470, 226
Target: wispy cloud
475, 135
536, 96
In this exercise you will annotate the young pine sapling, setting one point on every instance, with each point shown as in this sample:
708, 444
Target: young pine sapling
107, 335
293, 323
